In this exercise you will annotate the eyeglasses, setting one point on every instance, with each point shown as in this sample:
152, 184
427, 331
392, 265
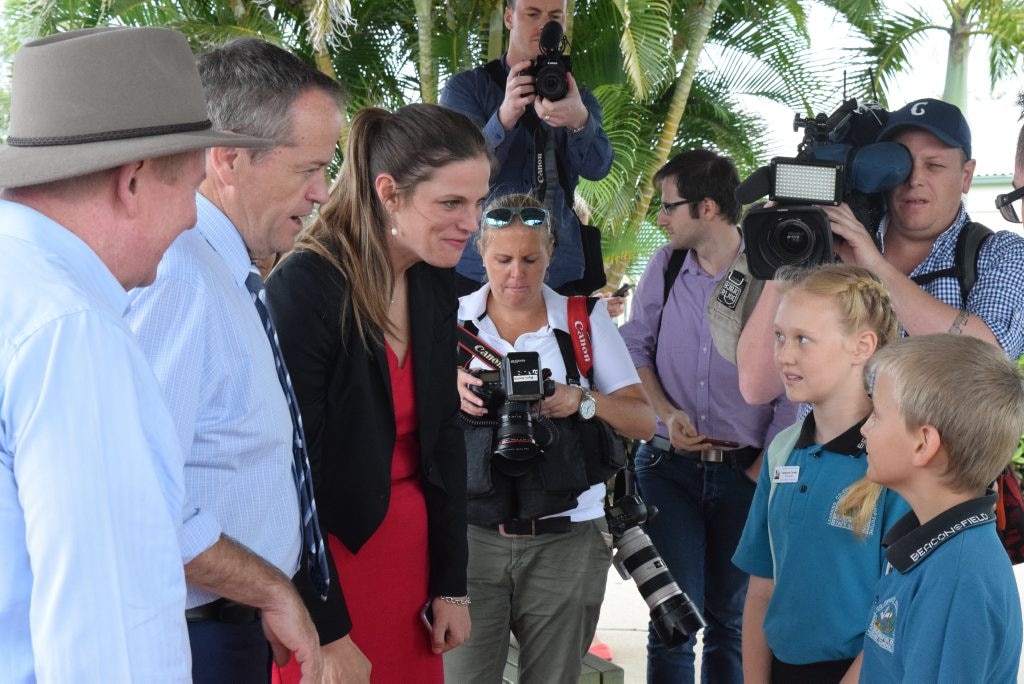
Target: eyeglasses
669, 207
530, 216
1004, 203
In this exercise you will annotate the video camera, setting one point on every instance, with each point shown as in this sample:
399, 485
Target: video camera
837, 161
552, 65
512, 395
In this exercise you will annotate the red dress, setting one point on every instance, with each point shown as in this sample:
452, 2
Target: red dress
386, 583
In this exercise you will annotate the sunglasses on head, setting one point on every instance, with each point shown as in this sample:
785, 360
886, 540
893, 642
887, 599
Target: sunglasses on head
1004, 203
530, 216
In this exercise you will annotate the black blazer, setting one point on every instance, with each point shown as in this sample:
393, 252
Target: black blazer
344, 393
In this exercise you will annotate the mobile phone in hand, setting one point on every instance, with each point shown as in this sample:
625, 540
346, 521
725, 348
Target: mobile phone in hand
427, 615
724, 443
623, 291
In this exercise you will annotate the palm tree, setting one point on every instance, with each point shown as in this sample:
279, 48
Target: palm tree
1001, 21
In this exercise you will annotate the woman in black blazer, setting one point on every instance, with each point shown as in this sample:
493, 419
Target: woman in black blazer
365, 311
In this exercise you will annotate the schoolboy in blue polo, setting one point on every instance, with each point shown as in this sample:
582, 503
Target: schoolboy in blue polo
948, 413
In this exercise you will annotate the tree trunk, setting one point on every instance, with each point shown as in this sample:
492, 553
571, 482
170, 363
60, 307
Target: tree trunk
496, 31
694, 46
955, 90
425, 31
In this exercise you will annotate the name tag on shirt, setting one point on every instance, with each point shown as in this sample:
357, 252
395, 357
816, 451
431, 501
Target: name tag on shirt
786, 474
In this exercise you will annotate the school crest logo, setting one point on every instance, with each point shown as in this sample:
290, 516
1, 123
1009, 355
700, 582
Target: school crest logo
837, 519
882, 629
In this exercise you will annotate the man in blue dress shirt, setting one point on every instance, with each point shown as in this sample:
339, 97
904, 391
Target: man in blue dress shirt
197, 324
507, 115
100, 171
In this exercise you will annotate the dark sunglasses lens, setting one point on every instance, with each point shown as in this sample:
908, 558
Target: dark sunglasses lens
499, 218
533, 216
1009, 213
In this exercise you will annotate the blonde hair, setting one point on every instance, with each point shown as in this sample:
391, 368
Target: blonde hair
862, 303
512, 201
351, 230
968, 390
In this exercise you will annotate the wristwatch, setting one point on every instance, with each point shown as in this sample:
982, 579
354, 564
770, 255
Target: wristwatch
588, 405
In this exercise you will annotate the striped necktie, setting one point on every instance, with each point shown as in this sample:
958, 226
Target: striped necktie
312, 539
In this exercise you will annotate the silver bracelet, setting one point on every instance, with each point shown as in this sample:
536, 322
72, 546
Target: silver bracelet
456, 600
958, 323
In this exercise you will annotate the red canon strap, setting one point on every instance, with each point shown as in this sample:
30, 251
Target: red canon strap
579, 330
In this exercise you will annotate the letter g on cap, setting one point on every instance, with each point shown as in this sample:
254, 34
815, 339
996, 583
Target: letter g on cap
917, 109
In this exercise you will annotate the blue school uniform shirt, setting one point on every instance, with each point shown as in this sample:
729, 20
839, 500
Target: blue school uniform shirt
824, 574
947, 608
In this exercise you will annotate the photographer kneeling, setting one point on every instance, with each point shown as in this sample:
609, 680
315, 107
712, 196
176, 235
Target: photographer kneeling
543, 574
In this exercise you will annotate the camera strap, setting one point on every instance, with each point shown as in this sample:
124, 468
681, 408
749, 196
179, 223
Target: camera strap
546, 173
965, 260
470, 346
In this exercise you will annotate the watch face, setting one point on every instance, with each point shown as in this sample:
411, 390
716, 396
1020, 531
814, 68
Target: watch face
588, 407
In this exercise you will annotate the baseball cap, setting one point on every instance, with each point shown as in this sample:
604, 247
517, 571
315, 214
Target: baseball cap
943, 120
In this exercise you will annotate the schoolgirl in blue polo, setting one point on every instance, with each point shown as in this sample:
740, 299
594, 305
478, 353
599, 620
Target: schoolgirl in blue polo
812, 541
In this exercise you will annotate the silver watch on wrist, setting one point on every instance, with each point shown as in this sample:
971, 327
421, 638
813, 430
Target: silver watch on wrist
588, 405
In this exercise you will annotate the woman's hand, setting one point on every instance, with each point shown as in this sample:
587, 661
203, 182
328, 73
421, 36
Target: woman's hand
469, 402
563, 403
451, 625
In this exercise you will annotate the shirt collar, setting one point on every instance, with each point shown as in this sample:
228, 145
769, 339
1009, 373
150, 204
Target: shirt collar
473, 307
909, 542
849, 443
25, 223
961, 220
218, 230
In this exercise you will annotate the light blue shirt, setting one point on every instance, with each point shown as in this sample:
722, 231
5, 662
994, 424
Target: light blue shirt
203, 336
91, 581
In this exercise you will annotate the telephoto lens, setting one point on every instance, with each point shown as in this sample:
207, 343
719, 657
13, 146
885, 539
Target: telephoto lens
673, 614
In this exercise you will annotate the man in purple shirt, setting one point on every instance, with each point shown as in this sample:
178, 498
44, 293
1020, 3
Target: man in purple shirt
682, 336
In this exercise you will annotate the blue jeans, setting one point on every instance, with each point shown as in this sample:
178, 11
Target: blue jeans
702, 508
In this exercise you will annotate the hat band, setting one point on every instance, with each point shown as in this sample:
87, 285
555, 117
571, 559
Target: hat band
123, 134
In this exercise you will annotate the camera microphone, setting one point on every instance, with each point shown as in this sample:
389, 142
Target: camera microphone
551, 38
756, 186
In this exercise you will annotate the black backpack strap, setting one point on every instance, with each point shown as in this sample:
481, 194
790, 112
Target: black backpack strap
675, 264
965, 260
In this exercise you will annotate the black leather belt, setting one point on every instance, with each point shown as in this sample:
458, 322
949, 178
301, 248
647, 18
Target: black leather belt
742, 457
225, 611
532, 528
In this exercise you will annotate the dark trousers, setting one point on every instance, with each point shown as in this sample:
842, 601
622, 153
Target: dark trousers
702, 508
229, 653
825, 672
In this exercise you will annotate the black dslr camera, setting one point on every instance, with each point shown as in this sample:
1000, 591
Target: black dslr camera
837, 161
673, 613
552, 65
512, 395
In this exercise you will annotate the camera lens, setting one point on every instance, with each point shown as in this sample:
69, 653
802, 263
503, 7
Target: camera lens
791, 241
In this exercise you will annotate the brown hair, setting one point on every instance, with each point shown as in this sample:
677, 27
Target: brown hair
351, 230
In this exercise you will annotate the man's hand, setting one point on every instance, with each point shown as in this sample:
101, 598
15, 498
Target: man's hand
856, 245
683, 435
289, 629
569, 112
451, 625
344, 662
519, 94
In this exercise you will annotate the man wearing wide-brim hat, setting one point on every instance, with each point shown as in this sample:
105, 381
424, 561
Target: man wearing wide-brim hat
108, 128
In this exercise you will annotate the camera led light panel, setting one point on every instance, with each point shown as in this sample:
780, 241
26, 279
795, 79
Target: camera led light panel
795, 180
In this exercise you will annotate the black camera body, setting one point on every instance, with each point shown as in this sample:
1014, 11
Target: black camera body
837, 161
512, 395
552, 64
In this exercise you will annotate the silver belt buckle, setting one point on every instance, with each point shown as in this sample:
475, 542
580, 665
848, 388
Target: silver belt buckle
712, 456
509, 535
